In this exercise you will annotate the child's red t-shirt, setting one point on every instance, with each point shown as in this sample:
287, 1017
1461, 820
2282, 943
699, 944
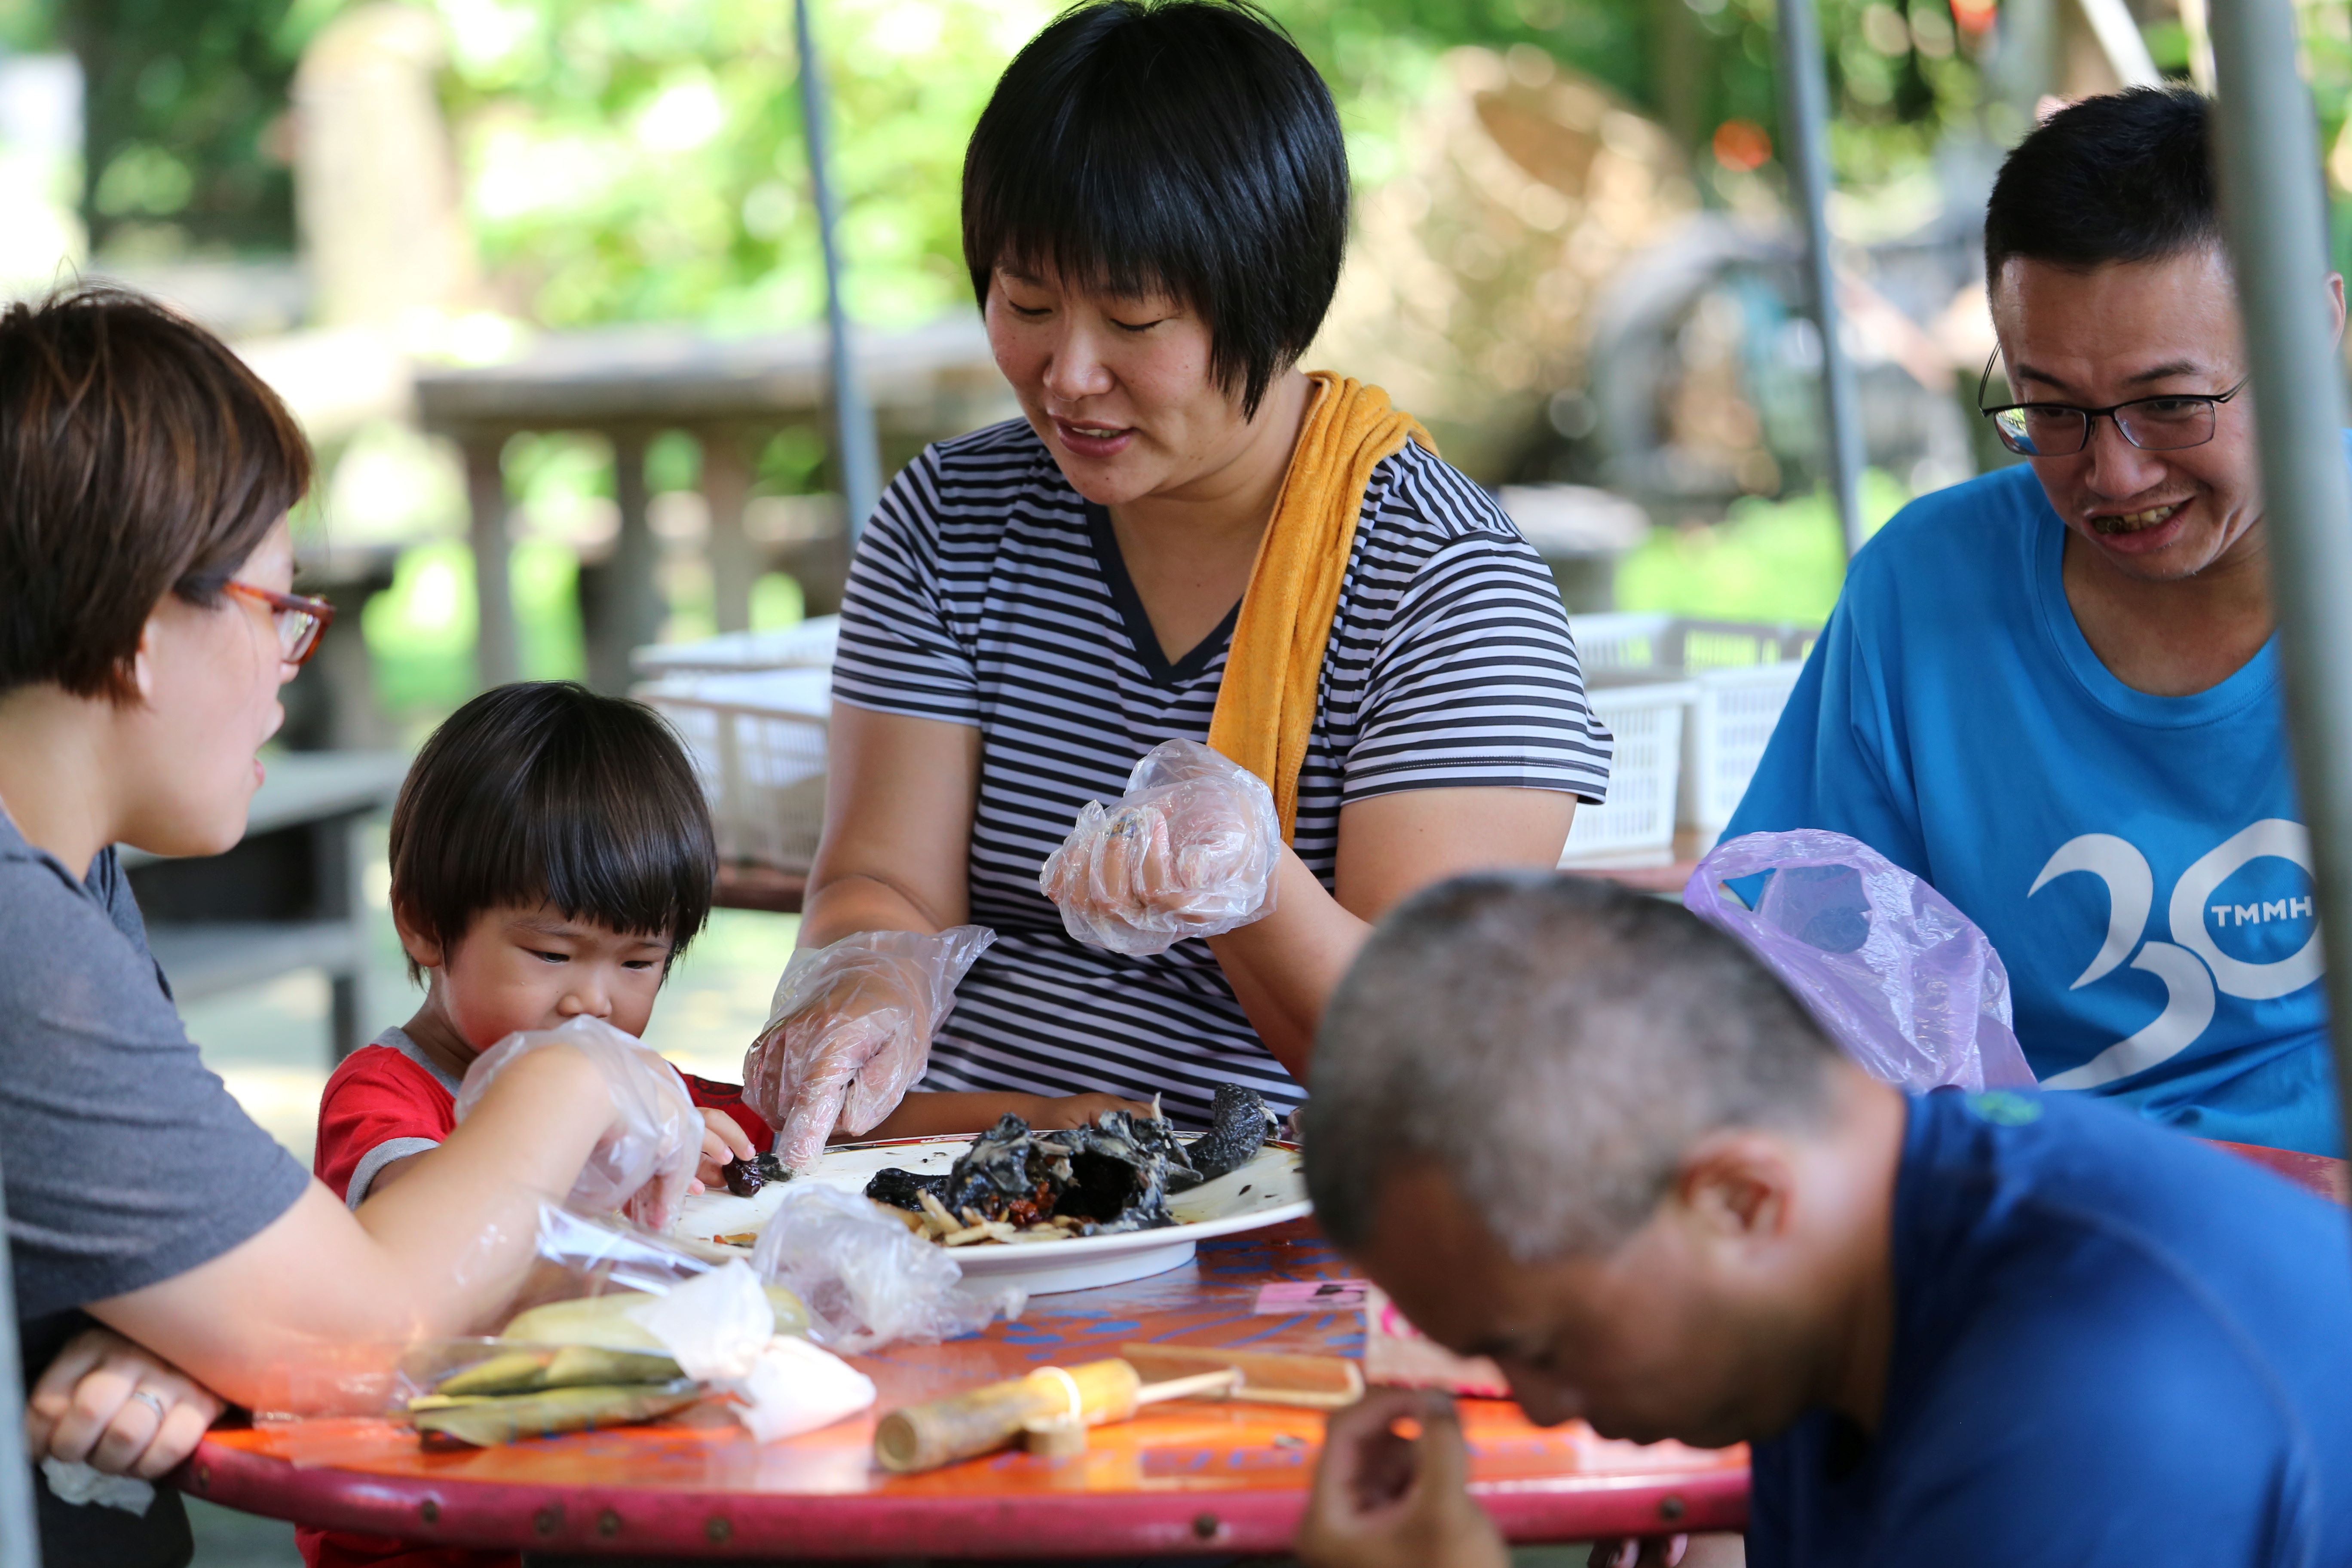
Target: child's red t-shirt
385, 1101
390, 1100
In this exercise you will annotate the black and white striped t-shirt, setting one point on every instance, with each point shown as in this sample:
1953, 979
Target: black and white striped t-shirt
987, 591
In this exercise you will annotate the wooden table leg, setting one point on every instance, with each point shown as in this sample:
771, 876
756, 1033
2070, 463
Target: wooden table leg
734, 566
625, 610
495, 659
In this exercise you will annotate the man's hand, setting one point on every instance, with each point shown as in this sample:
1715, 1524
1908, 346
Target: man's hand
108, 1402
724, 1142
1383, 1500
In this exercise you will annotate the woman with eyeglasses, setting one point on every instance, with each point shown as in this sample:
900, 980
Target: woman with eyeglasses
167, 1255
2054, 691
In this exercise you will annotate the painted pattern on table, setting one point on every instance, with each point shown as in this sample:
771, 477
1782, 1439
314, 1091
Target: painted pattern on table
1182, 1447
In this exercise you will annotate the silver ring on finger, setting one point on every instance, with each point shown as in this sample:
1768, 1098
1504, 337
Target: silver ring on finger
153, 1400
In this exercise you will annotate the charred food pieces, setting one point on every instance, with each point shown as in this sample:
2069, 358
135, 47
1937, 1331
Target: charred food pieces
1239, 1126
745, 1177
1114, 1176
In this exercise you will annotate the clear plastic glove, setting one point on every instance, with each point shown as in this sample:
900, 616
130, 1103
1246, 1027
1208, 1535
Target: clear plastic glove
646, 1157
850, 1032
1188, 850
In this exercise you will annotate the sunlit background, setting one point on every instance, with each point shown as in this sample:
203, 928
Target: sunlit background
1575, 260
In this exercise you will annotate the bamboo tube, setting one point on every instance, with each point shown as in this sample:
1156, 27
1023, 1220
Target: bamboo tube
925, 1436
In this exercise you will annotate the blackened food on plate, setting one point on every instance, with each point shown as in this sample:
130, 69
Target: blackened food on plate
1240, 1122
1113, 1175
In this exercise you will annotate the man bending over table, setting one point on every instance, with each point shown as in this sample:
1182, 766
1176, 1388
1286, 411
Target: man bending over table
1579, 1131
2054, 691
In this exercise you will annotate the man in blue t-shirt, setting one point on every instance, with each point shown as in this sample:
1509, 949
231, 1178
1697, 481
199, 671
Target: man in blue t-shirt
2054, 691
1579, 1131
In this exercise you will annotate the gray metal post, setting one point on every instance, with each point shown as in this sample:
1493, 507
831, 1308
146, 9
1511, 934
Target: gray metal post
1804, 125
20, 1531
2269, 188
853, 416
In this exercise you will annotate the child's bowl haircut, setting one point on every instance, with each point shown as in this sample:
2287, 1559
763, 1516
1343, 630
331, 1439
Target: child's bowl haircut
545, 792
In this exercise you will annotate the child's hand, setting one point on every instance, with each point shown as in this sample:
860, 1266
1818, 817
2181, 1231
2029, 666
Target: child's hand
1078, 1109
110, 1403
724, 1142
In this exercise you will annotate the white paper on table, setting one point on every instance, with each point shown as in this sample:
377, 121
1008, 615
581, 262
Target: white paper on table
715, 1324
796, 1387
71, 1481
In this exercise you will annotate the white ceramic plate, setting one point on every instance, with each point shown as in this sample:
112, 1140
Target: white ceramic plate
1266, 1191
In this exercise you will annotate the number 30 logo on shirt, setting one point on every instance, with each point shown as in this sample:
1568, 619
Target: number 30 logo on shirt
2192, 965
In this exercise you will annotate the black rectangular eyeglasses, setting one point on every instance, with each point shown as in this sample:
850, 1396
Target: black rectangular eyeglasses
2164, 424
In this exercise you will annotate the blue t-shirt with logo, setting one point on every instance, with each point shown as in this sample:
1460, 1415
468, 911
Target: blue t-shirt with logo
2139, 862
2112, 1347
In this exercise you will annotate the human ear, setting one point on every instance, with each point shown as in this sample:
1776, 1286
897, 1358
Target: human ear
2336, 302
1738, 1185
422, 949
142, 659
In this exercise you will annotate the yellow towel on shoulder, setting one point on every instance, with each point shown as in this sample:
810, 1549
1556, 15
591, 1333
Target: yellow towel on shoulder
1265, 705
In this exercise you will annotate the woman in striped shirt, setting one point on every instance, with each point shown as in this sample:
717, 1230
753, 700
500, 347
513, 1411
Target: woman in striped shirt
1155, 212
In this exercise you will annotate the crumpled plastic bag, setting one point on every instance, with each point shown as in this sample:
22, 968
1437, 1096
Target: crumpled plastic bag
1188, 850
850, 1033
866, 1280
648, 1155
1905, 984
719, 1329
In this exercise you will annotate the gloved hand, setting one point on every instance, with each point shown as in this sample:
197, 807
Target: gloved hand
645, 1159
1188, 850
850, 1031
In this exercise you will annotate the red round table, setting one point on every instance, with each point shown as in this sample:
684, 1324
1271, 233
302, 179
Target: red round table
1188, 1478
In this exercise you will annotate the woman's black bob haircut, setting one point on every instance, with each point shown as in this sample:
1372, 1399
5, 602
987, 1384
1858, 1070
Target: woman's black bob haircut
2125, 176
1176, 146
546, 793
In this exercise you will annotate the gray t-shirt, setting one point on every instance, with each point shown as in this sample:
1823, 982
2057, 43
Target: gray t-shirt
125, 1158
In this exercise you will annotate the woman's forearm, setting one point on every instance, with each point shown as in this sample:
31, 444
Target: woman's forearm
849, 904
1285, 967
324, 1291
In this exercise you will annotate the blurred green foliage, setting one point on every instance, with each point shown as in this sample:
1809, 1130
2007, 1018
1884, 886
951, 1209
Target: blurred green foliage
641, 159
1767, 561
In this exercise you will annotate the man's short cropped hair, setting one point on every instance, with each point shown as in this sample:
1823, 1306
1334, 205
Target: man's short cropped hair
545, 792
1179, 146
2127, 177
1553, 1045
138, 458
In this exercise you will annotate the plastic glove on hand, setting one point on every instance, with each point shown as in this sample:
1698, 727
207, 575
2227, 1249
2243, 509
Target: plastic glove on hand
646, 1157
850, 1032
1190, 850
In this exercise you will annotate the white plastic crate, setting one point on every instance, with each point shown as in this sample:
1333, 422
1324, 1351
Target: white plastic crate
1636, 826
808, 646
1739, 675
1731, 723
1620, 645
759, 741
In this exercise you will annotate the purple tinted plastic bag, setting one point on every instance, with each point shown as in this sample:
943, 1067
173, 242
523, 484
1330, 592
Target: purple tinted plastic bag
1904, 983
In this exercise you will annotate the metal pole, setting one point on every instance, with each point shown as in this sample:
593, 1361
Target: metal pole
1804, 115
20, 1537
2268, 161
860, 464
2118, 31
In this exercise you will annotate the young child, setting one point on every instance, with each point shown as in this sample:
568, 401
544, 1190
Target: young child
552, 855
